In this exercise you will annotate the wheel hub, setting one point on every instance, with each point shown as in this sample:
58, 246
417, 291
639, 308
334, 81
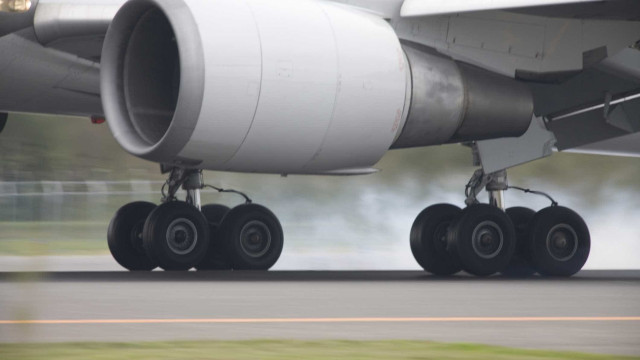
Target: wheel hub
182, 236
562, 242
255, 238
487, 239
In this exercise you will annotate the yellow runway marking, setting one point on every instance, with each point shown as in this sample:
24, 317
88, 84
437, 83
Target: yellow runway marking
323, 320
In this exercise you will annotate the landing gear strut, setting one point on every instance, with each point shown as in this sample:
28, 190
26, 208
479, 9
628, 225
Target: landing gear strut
484, 239
180, 235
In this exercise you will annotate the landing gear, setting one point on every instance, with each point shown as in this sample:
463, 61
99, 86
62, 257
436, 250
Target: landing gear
484, 239
179, 235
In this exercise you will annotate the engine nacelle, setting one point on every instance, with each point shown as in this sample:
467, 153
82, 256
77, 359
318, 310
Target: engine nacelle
289, 86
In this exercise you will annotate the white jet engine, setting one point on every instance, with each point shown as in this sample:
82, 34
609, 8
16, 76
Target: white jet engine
287, 86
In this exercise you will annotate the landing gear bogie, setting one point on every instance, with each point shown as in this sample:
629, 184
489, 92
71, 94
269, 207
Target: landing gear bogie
180, 235
484, 239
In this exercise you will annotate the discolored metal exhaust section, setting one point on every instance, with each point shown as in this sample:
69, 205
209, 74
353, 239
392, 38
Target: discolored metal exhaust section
455, 102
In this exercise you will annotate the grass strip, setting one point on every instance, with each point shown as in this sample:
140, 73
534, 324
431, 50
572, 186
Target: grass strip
27, 247
282, 350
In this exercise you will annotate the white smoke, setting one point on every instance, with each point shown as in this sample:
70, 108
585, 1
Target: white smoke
371, 230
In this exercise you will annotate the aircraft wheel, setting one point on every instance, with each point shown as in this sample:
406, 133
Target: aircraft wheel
176, 236
253, 237
215, 258
214, 213
429, 239
559, 241
124, 236
484, 238
519, 266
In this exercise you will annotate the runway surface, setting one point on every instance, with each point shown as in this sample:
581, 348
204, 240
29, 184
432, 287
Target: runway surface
596, 311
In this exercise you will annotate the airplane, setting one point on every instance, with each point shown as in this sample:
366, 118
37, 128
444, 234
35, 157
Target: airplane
327, 88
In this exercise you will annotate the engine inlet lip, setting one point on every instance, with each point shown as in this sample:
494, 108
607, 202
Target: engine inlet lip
191, 88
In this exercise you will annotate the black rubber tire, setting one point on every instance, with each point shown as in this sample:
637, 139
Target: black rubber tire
214, 213
428, 239
247, 219
541, 234
190, 222
475, 219
520, 266
124, 236
216, 254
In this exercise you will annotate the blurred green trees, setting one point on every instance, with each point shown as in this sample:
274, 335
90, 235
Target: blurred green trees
35, 148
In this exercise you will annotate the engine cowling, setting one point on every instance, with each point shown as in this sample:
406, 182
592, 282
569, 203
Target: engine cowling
290, 86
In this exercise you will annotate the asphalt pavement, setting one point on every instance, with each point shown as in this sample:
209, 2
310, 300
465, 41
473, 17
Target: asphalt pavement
595, 311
